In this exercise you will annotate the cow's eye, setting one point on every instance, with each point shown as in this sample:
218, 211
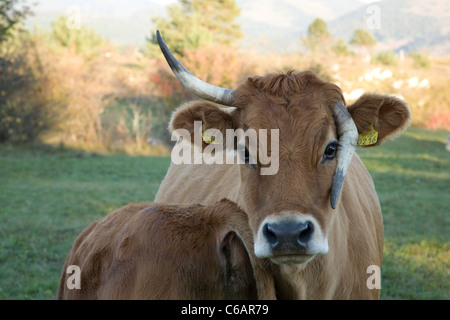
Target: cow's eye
330, 151
246, 156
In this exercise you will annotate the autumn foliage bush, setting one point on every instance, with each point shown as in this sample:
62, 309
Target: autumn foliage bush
219, 65
437, 107
215, 64
26, 103
107, 100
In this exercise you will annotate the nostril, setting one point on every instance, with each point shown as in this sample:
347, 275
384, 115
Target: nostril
270, 235
288, 236
306, 232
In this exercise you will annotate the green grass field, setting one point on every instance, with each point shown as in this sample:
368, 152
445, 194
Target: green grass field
48, 196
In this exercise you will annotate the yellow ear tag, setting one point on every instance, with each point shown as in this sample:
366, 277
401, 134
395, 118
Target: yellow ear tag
368, 138
209, 139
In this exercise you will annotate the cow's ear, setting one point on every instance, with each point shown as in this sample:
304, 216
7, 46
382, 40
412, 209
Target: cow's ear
227, 249
211, 118
379, 118
237, 269
231, 250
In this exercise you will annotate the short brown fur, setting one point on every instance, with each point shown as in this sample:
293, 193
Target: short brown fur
156, 251
298, 104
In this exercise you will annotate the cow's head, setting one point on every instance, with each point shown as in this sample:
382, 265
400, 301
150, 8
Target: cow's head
290, 212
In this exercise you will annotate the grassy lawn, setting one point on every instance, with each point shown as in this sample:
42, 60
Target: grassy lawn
412, 178
48, 196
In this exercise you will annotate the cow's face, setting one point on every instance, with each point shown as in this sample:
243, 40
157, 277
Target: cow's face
290, 211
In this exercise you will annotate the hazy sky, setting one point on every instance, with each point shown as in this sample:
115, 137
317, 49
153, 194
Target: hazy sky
267, 11
261, 8
134, 15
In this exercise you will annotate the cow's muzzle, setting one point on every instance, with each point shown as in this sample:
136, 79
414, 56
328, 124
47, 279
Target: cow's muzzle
290, 238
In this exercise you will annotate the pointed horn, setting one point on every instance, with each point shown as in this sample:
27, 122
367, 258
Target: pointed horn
348, 135
195, 85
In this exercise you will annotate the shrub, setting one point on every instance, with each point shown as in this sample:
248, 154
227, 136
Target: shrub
439, 119
420, 60
216, 64
387, 58
83, 41
25, 106
340, 48
437, 107
318, 69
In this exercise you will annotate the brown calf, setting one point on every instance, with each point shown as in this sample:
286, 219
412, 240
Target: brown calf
156, 251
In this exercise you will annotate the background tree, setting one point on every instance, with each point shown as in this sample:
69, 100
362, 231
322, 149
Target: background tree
22, 108
191, 24
318, 30
12, 12
318, 35
340, 48
363, 38
203, 33
218, 17
83, 40
181, 31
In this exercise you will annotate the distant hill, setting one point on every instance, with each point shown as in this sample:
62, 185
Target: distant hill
405, 24
123, 22
275, 25
411, 25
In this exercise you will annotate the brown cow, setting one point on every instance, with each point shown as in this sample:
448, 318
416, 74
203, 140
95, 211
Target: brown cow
324, 232
156, 251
